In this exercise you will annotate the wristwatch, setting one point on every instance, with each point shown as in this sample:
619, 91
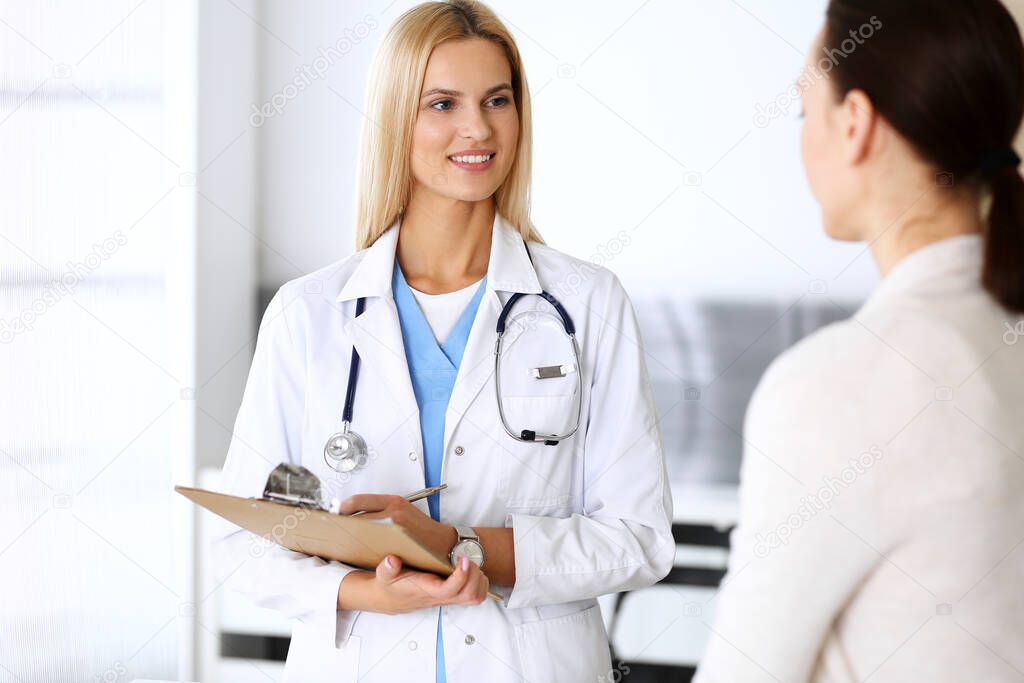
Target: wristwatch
467, 545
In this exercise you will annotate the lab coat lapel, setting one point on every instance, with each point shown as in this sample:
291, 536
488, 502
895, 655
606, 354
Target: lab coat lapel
509, 270
377, 334
477, 362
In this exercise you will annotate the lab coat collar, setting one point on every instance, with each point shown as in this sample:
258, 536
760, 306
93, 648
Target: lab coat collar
508, 269
377, 333
952, 264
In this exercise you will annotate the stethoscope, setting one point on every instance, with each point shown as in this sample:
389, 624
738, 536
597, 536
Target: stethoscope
346, 450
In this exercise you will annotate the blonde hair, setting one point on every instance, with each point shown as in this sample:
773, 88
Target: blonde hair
396, 80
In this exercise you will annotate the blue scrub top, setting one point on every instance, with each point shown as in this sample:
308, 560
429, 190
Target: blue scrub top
432, 369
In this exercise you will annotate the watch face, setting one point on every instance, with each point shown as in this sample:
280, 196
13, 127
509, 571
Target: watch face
470, 549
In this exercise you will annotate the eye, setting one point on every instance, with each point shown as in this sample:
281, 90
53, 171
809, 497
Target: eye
434, 105
499, 101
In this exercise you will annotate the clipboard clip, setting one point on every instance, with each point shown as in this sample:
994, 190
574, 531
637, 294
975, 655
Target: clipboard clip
294, 485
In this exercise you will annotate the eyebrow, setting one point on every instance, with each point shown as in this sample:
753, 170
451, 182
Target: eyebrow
456, 93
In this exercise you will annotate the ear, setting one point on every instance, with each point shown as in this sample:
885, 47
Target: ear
859, 123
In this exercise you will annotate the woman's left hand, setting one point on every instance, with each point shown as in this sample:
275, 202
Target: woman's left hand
435, 536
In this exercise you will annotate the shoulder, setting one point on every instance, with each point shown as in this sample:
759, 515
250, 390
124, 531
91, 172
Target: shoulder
845, 387
810, 370
569, 278
304, 300
946, 336
876, 352
327, 281
857, 383
813, 413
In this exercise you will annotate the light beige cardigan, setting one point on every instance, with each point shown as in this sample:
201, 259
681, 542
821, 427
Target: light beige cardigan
881, 533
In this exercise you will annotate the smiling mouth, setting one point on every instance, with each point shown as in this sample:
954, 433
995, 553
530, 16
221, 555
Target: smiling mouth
472, 159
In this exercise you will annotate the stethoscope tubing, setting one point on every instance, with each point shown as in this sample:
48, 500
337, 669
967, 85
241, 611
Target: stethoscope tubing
525, 435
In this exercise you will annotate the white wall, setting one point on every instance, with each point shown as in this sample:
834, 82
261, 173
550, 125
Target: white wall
648, 106
228, 240
309, 149
98, 133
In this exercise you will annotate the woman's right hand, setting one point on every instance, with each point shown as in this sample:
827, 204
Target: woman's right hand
394, 590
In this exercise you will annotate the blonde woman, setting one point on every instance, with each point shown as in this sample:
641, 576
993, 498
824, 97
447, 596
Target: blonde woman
548, 446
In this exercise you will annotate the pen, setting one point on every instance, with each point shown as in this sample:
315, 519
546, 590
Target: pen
414, 496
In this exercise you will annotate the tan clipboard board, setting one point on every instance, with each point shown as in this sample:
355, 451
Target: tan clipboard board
355, 541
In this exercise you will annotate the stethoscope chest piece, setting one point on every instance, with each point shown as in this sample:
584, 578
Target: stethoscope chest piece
345, 450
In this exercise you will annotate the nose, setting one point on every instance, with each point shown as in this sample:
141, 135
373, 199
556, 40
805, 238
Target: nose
474, 124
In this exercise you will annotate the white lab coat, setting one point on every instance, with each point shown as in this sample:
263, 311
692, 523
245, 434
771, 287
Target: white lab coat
590, 516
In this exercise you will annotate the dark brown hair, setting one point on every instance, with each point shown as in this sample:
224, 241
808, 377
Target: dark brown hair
949, 77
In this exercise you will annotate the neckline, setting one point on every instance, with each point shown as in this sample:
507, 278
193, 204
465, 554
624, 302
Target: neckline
952, 257
449, 352
427, 295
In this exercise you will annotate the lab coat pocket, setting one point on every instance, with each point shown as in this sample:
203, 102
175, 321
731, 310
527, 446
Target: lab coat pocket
313, 658
534, 474
573, 647
541, 414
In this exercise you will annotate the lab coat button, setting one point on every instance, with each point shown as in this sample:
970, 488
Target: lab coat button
412, 455
412, 644
470, 639
459, 450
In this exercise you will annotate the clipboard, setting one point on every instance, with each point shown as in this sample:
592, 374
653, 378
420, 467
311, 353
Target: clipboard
356, 541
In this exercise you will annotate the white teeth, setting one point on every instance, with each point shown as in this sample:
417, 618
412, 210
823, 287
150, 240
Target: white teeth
472, 159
